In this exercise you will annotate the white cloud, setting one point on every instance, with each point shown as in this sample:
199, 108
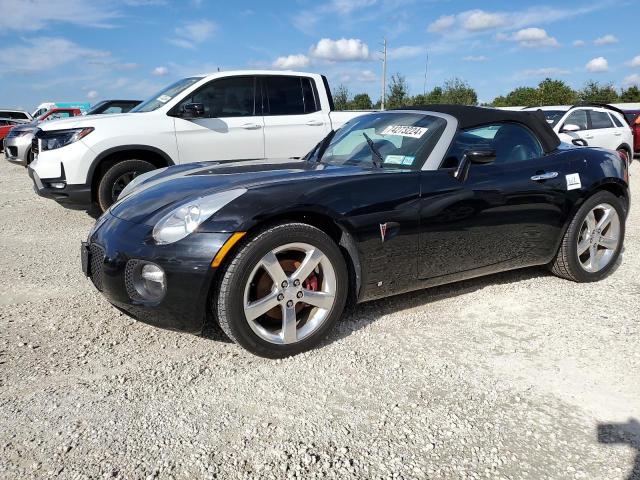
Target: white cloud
367, 76
633, 79
92, 94
597, 65
606, 40
160, 71
292, 61
579, 43
530, 38
406, 51
479, 20
33, 15
352, 49
540, 72
41, 54
442, 23
344, 7
193, 33
475, 58
635, 61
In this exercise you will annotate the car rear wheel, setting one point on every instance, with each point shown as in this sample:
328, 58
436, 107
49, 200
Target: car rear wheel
117, 177
283, 291
593, 241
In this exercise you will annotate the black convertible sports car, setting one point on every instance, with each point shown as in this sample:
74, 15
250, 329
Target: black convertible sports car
394, 201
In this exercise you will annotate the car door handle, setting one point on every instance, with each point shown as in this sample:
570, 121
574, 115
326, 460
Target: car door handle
544, 176
617, 134
251, 126
315, 123
588, 136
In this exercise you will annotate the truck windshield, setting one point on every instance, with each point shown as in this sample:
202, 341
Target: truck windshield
163, 96
553, 116
385, 139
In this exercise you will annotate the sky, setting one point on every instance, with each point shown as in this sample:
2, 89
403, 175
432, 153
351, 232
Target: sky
90, 50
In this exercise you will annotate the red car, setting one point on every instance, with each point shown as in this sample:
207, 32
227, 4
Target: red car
6, 124
633, 117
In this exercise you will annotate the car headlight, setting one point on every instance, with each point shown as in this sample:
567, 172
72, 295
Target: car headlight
52, 139
184, 219
18, 133
138, 180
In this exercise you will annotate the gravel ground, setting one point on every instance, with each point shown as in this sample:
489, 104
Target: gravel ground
510, 376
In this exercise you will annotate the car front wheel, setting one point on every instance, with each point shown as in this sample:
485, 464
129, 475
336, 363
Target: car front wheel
118, 176
593, 241
283, 291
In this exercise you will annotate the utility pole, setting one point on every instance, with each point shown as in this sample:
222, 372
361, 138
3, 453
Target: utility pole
426, 69
384, 72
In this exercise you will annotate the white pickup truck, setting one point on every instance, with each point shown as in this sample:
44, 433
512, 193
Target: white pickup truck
234, 115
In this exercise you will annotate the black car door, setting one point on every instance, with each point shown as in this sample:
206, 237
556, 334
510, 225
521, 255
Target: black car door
505, 214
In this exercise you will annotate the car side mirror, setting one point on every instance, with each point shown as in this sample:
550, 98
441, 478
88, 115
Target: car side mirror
569, 127
193, 110
470, 157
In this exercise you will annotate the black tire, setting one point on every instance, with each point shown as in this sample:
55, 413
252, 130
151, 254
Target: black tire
228, 303
107, 188
567, 264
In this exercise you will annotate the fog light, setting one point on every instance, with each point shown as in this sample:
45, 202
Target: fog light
57, 185
145, 281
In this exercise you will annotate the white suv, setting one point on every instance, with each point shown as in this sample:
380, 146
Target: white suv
594, 124
242, 115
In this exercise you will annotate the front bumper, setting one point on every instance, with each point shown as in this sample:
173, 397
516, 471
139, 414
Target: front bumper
16, 149
115, 243
77, 197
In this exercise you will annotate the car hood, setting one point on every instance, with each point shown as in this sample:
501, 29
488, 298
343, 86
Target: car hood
81, 121
171, 187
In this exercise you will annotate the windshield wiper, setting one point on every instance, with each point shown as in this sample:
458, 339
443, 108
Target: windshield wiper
374, 151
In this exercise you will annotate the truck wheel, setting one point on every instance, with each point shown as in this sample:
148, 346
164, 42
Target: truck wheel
117, 177
283, 291
593, 241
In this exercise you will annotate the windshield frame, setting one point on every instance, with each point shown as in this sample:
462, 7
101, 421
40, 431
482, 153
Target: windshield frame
152, 103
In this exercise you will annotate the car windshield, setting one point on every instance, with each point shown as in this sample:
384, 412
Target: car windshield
97, 108
385, 139
553, 116
163, 96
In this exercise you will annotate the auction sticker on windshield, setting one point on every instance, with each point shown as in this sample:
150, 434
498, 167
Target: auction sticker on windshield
405, 131
164, 98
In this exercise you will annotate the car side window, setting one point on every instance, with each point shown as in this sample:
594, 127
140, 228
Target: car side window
289, 96
578, 118
512, 143
616, 121
600, 120
225, 97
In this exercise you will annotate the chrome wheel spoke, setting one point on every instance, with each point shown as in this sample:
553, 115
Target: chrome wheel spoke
583, 246
610, 243
271, 264
289, 324
258, 308
591, 221
606, 218
308, 265
318, 299
593, 258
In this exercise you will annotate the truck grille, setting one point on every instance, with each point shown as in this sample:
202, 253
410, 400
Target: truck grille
97, 263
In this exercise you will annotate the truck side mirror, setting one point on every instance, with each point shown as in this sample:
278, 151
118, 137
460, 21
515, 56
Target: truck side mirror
569, 127
193, 110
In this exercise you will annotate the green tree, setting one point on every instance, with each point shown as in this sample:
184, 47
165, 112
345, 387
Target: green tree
398, 95
556, 92
361, 101
630, 95
341, 98
594, 92
520, 97
458, 92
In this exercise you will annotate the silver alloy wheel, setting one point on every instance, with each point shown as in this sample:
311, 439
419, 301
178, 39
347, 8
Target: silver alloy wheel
599, 238
303, 310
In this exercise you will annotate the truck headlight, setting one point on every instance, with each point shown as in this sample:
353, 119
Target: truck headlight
184, 219
52, 139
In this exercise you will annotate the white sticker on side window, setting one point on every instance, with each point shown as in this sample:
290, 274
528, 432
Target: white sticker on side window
163, 98
405, 131
573, 181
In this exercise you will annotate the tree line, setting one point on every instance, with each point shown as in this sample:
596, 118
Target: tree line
459, 92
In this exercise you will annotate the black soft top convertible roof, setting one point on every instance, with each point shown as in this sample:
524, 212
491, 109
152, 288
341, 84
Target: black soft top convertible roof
469, 117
